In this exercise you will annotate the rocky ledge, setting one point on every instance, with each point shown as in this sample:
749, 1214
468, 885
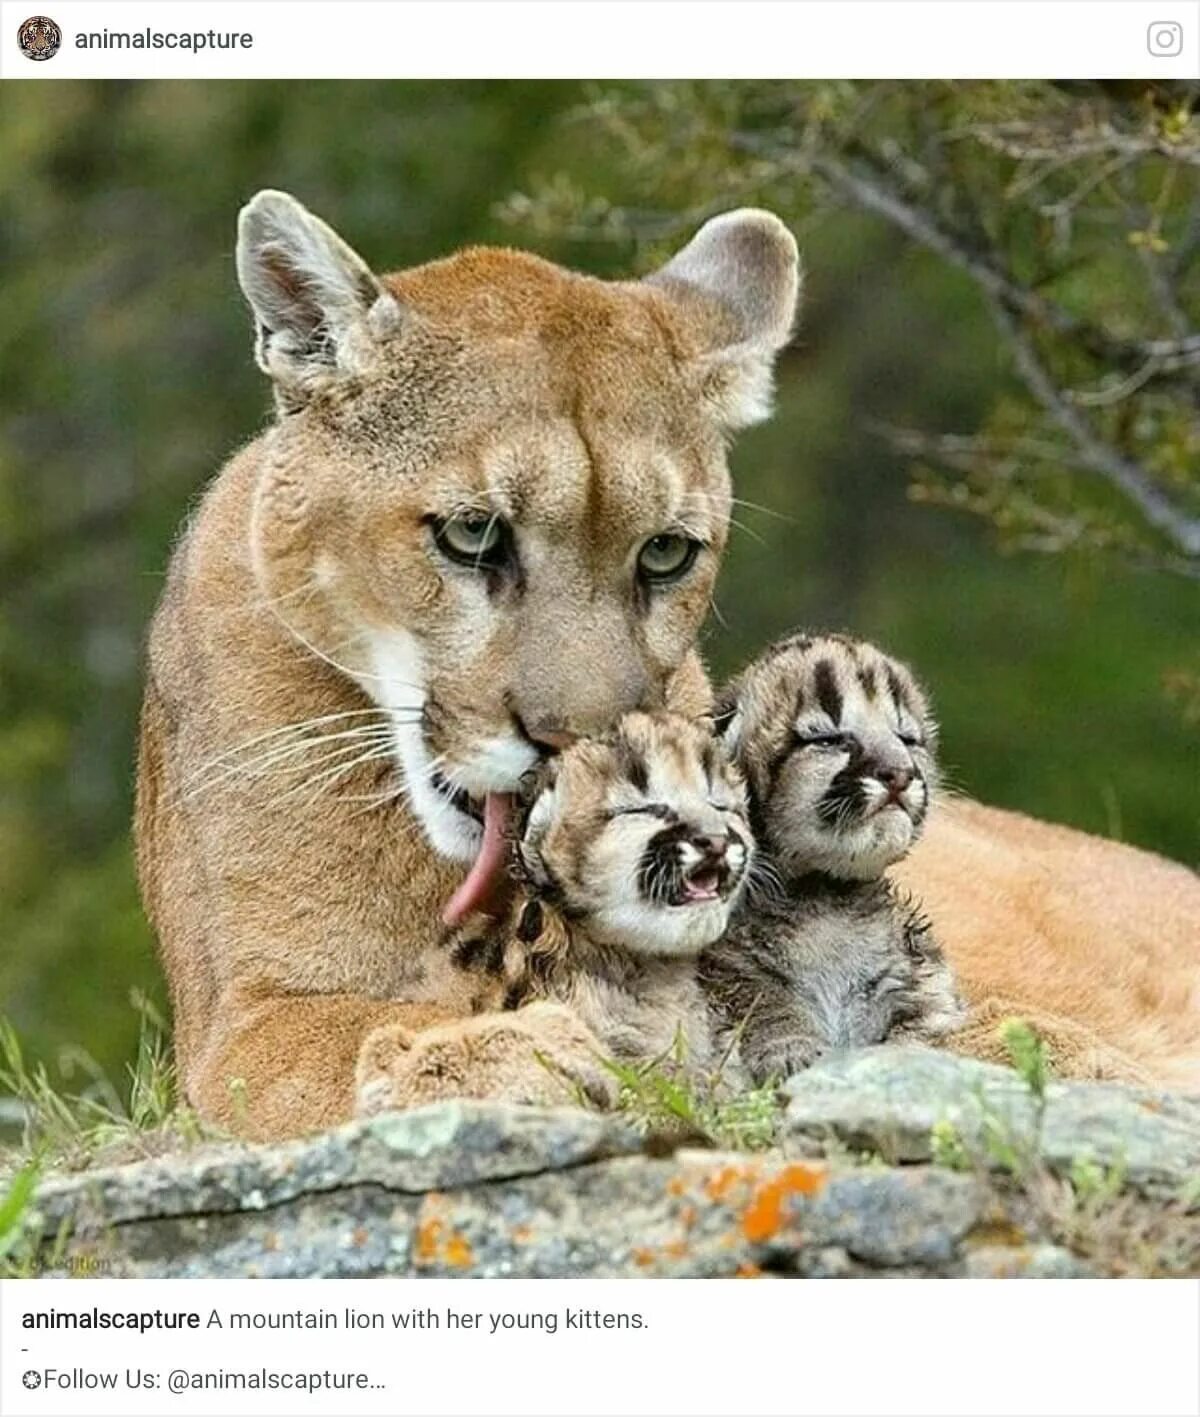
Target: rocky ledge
888, 1161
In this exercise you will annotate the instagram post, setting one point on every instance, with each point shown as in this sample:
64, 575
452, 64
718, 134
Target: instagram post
600, 683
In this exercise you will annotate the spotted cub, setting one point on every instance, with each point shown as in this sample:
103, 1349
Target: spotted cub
631, 855
837, 743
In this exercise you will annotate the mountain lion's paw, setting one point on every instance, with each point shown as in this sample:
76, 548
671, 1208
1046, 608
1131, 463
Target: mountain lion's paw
541, 1055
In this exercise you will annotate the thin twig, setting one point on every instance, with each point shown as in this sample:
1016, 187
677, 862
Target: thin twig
1129, 477
875, 195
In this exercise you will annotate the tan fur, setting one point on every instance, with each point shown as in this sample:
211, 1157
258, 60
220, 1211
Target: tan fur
486, 1057
1040, 920
1072, 1051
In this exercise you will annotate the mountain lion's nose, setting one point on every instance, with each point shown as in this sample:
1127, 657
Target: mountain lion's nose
547, 735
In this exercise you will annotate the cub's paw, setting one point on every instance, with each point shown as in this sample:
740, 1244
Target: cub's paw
383, 1051
542, 1055
780, 1059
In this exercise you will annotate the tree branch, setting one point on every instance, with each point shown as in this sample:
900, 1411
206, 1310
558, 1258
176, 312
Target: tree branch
874, 194
1129, 477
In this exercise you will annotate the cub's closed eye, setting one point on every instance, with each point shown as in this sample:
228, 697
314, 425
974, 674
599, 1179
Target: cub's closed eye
823, 740
912, 740
643, 809
476, 539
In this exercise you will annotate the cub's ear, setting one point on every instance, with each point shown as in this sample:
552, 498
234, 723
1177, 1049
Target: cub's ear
319, 312
726, 718
741, 274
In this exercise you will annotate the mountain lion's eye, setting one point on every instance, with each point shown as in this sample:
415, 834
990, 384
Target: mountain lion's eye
475, 539
667, 557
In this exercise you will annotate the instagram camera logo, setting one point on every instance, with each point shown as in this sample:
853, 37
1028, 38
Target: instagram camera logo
39, 38
1164, 39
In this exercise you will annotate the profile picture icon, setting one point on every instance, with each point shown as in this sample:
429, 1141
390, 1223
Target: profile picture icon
39, 38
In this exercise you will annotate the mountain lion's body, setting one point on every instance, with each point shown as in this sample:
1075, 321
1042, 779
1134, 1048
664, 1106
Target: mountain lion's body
489, 516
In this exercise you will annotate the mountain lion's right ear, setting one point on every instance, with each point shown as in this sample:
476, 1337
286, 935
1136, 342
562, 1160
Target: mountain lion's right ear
744, 263
319, 311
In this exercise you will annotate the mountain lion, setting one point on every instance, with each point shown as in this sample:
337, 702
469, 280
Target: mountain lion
487, 518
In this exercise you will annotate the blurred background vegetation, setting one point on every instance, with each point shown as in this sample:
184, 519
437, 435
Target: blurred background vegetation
908, 489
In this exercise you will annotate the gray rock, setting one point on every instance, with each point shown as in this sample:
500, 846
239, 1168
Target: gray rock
1026, 1262
696, 1214
889, 1099
453, 1143
492, 1190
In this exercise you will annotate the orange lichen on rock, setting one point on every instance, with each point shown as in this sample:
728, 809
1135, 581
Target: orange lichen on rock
429, 1235
746, 1270
458, 1252
436, 1243
719, 1185
763, 1217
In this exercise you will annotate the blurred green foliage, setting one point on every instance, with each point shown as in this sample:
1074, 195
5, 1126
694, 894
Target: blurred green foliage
127, 378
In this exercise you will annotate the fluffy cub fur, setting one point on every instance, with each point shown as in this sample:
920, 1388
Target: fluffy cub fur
837, 744
633, 852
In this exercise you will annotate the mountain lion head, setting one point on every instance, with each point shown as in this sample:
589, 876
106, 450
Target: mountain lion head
496, 493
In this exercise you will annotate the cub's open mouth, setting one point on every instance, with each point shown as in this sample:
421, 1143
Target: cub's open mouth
706, 882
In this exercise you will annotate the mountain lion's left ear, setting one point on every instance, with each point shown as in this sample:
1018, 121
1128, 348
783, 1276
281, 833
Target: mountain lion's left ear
740, 273
319, 310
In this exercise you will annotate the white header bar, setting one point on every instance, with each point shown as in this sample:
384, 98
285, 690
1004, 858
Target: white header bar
607, 39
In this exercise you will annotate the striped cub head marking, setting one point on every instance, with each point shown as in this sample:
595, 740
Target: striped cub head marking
642, 835
497, 494
837, 743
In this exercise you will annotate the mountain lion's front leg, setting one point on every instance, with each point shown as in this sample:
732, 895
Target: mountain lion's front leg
1072, 1050
541, 1054
277, 1065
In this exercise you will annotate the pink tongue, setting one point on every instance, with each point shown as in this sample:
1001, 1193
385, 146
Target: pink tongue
484, 880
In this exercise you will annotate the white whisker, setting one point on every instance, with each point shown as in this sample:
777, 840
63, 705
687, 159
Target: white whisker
298, 727
355, 674
278, 743
312, 786
307, 589
280, 760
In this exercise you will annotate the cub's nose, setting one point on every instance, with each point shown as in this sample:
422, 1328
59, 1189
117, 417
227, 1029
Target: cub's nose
895, 779
713, 849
